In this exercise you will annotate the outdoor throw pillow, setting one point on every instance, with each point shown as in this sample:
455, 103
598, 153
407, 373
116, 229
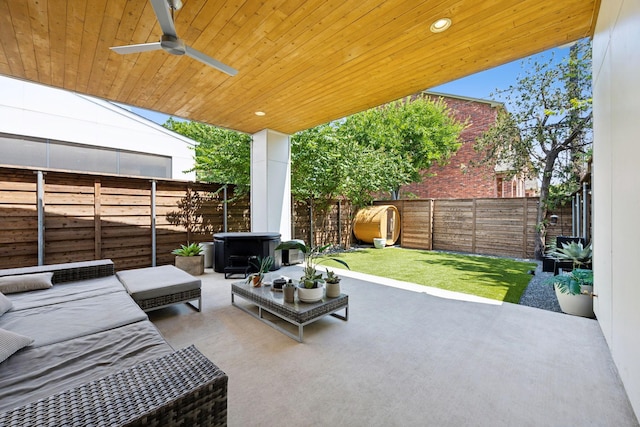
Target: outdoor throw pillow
11, 342
5, 304
25, 282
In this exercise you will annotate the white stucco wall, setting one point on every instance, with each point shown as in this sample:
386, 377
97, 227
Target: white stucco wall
271, 183
40, 111
616, 185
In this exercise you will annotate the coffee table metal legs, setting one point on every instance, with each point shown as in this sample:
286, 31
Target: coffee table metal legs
300, 326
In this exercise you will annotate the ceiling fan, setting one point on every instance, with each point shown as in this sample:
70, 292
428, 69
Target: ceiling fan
169, 41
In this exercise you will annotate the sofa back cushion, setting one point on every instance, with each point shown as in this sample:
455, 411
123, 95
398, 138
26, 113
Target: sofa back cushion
25, 282
5, 304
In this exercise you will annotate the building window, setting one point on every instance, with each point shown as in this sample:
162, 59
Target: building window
42, 153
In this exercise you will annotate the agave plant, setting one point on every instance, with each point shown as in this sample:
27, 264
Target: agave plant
188, 250
575, 252
570, 283
313, 255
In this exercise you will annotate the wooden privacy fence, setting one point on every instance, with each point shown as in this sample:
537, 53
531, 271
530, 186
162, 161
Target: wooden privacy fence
321, 228
86, 217
503, 227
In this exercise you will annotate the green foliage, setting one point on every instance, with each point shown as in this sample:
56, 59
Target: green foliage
263, 265
570, 283
408, 135
222, 156
332, 277
313, 255
188, 250
548, 133
575, 252
374, 151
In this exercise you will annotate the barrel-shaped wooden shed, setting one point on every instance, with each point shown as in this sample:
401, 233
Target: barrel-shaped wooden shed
380, 221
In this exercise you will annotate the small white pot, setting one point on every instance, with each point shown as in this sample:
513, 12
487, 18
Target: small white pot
379, 243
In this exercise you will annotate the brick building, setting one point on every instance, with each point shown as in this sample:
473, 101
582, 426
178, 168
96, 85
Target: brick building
459, 178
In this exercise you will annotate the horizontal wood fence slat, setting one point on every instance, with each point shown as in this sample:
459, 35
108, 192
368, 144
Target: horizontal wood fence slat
89, 216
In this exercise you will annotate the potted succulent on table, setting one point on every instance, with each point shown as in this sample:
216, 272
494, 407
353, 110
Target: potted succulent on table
311, 287
190, 258
263, 265
333, 284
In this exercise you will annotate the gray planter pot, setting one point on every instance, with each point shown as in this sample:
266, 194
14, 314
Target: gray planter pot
193, 265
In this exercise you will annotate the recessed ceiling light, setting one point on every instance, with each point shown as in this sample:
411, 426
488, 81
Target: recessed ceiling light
440, 25
260, 113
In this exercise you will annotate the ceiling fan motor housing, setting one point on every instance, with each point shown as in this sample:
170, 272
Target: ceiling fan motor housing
172, 44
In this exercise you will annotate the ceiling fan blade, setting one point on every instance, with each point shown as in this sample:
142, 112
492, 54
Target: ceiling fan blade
205, 59
163, 14
136, 48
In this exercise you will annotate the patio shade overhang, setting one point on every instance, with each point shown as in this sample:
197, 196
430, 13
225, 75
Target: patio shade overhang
302, 63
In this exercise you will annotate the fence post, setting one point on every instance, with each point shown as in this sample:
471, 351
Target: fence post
473, 228
311, 244
153, 223
97, 221
525, 220
40, 207
339, 224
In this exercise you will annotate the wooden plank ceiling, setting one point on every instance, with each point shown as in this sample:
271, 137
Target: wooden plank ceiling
303, 63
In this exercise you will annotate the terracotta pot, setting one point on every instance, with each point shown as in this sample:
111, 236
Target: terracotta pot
193, 265
256, 281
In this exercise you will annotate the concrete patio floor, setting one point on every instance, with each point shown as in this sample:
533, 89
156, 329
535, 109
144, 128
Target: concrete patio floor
408, 356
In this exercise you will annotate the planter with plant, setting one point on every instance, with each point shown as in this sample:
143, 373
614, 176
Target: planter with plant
311, 287
574, 290
263, 265
190, 258
333, 284
573, 252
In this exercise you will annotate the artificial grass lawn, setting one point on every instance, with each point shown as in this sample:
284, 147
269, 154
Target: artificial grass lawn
501, 279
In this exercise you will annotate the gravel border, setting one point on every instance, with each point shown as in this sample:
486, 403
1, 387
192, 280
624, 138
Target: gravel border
538, 294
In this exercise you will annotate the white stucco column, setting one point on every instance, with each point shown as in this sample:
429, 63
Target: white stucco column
271, 183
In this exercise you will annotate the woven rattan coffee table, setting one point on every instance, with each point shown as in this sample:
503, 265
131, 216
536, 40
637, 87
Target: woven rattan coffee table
297, 313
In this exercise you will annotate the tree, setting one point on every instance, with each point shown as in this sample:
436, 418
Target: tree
221, 156
325, 165
548, 133
416, 133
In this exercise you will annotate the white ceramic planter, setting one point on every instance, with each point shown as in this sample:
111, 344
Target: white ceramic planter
578, 305
310, 295
379, 243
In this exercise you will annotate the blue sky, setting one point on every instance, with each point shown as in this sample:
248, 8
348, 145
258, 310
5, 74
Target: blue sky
480, 85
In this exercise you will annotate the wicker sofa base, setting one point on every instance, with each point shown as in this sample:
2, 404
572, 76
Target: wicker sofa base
183, 388
167, 300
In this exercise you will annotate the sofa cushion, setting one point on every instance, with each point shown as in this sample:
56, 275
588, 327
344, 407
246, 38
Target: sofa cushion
10, 342
25, 282
72, 319
5, 304
36, 373
153, 282
66, 292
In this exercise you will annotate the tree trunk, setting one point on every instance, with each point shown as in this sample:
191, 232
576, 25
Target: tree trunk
542, 204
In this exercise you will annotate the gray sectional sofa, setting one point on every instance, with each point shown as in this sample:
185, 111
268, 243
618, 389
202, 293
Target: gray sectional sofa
96, 359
